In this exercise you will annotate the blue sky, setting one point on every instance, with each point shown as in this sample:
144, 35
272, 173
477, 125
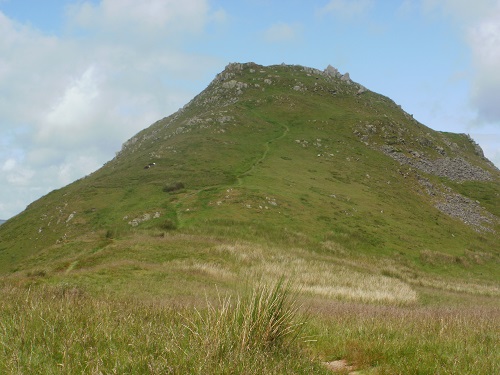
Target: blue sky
78, 78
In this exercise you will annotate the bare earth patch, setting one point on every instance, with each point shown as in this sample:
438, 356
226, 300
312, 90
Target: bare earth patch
340, 366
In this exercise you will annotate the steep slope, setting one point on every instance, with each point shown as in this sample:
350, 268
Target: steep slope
279, 156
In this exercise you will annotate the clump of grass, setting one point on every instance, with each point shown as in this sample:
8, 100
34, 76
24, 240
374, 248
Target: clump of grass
37, 273
110, 234
237, 334
317, 277
174, 186
264, 319
168, 224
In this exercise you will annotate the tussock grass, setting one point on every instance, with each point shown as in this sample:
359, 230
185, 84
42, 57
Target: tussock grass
264, 324
64, 330
174, 186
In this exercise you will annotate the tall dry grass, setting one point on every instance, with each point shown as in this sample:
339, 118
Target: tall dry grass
63, 330
410, 339
319, 277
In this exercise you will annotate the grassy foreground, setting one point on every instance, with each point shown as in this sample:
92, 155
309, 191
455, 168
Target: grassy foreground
65, 330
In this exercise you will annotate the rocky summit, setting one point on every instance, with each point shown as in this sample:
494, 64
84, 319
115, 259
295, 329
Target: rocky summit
285, 156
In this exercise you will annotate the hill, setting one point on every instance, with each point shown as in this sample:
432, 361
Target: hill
282, 152
270, 172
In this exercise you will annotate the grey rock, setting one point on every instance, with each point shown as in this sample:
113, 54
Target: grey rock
331, 71
345, 77
477, 149
361, 90
314, 71
235, 66
456, 169
230, 84
459, 207
234, 84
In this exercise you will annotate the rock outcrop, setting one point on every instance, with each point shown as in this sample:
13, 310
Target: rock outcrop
331, 71
459, 207
345, 78
456, 169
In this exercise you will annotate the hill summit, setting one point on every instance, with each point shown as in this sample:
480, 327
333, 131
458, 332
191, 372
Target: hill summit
280, 155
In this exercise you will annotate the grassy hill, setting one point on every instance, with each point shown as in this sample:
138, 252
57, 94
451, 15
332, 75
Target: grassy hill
272, 172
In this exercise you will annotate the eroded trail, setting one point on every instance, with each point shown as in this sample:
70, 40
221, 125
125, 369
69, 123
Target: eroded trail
267, 147
264, 154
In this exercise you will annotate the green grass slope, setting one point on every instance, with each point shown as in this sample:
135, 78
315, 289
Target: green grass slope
388, 231
271, 154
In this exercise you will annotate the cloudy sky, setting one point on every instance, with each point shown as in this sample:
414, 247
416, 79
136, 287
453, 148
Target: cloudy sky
80, 77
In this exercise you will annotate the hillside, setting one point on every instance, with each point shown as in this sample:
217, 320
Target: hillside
274, 172
282, 152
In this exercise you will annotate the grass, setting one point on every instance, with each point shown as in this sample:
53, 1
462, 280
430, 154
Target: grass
63, 329
262, 324
123, 271
411, 340
200, 304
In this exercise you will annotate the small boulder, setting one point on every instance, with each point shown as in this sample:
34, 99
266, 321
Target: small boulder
361, 90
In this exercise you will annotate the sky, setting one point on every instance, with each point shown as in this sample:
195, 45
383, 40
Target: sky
80, 77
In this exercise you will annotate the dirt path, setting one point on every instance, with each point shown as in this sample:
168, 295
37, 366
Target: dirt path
264, 155
240, 177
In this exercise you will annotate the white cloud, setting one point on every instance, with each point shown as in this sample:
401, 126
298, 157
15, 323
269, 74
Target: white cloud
9, 165
282, 32
71, 117
68, 102
479, 23
489, 141
484, 38
462, 10
406, 7
17, 174
347, 8
124, 18
21, 177
219, 16
80, 165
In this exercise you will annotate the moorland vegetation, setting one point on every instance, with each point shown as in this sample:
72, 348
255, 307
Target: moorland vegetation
285, 221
